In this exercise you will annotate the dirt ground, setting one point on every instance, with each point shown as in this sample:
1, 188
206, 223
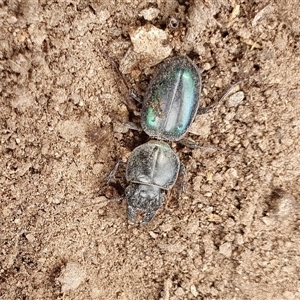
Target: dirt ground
234, 234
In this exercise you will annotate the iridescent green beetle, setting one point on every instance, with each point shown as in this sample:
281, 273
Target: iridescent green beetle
169, 108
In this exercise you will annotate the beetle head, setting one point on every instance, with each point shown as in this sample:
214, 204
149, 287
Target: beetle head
144, 198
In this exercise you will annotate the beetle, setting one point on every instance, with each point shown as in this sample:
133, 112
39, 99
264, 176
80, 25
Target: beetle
169, 107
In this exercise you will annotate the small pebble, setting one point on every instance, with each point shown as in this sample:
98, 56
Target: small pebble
194, 291
153, 235
179, 292
71, 276
226, 249
30, 237
149, 14
235, 99
150, 47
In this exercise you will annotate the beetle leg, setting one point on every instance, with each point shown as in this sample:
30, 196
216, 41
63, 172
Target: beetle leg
133, 126
133, 94
193, 145
111, 176
182, 171
179, 186
232, 89
111, 188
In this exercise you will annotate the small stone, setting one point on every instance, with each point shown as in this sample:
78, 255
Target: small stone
76, 99
106, 119
20, 64
179, 292
201, 126
235, 99
285, 206
226, 249
119, 128
129, 61
6, 212
194, 291
166, 227
235, 69
95, 293
206, 66
71, 277
22, 102
97, 168
70, 129
55, 200
24, 168
153, 235
123, 112
289, 295
214, 218
150, 47
11, 20
30, 237
149, 13
232, 172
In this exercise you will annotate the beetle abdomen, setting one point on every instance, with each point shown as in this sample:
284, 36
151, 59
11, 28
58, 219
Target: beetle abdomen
172, 99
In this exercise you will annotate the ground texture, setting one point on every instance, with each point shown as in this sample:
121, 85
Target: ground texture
234, 234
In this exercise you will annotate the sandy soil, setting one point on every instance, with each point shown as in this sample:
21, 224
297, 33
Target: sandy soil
234, 234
